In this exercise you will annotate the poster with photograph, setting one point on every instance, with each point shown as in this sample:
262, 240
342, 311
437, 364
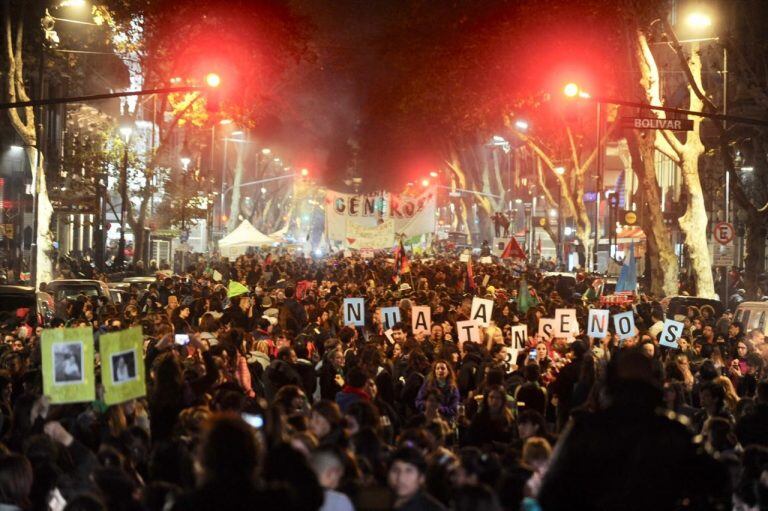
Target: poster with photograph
67, 355
122, 365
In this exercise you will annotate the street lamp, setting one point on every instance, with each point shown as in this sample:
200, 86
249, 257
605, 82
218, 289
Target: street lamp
212, 80
559, 171
425, 183
521, 125
433, 174
304, 172
698, 20
266, 151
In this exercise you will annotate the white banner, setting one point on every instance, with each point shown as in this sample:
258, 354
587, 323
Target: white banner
378, 236
412, 215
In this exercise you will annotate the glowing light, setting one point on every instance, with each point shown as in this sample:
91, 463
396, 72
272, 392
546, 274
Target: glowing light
571, 90
552, 212
304, 172
559, 171
17, 148
126, 131
176, 80
318, 252
224, 122
698, 20
568, 231
266, 151
433, 174
213, 80
521, 125
72, 3
518, 201
425, 183
263, 190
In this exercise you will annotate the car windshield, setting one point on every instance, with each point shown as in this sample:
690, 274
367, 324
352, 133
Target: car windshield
68, 292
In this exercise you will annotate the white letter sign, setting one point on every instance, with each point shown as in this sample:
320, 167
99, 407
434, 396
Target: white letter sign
672, 331
519, 335
421, 318
546, 328
353, 312
481, 311
597, 323
468, 331
624, 324
566, 323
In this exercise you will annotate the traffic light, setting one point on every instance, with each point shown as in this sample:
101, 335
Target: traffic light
213, 80
213, 95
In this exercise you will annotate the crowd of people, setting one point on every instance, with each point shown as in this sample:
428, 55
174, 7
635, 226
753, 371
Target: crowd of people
275, 403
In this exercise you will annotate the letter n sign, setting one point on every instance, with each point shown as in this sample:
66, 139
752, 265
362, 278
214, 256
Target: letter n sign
597, 323
353, 312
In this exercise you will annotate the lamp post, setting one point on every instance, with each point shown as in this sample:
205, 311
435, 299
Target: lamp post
185, 158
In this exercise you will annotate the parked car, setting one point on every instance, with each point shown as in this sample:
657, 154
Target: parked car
676, 307
141, 283
14, 298
753, 315
62, 289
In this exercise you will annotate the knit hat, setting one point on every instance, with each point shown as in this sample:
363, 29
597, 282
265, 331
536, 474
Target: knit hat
236, 289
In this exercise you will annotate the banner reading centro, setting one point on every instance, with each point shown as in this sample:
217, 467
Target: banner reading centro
413, 215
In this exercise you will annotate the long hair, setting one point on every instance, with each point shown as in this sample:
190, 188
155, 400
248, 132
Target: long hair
432, 379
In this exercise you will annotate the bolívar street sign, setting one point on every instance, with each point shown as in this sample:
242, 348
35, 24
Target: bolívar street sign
655, 123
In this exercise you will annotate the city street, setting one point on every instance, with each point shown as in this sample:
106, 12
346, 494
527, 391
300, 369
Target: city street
337, 255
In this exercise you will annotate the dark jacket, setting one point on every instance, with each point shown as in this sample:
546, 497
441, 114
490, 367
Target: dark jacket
350, 395
630, 457
753, 427
306, 370
292, 315
422, 501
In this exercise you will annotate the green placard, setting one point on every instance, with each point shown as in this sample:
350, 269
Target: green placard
68, 365
122, 365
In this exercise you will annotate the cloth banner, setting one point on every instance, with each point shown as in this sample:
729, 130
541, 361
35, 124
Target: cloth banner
378, 236
412, 214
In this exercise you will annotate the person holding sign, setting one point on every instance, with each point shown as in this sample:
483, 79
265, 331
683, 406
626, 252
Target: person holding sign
442, 379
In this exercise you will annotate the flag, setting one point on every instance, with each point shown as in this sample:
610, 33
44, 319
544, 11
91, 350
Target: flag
538, 246
513, 250
524, 299
402, 265
628, 275
469, 284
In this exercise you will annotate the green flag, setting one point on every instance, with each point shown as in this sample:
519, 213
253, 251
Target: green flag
524, 299
122, 365
67, 355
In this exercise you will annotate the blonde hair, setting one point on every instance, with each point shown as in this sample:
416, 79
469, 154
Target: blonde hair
262, 346
536, 450
731, 397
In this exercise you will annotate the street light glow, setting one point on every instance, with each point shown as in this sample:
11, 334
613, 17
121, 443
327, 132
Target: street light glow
266, 151
571, 90
425, 183
224, 122
213, 80
185, 161
17, 148
126, 131
237, 133
559, 171
72, 3
263, 190
521, 124
304, 172
568, 231
552, 212
698, 20
433, 174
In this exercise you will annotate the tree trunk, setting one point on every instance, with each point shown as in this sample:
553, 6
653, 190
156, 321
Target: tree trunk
44, 249
234, 206
664, 276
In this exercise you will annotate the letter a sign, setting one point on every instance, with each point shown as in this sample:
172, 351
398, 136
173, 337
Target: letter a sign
421, 318
597, 323
481, 311
353, 312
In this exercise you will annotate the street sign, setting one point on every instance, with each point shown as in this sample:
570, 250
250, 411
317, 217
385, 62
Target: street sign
654, 123
723, 233
630, 217
723, 255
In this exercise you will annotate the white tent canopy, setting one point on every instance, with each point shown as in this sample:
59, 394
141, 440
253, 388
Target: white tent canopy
245, 235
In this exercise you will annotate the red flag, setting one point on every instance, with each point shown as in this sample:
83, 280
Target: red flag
513, 250
402, 264
470, 283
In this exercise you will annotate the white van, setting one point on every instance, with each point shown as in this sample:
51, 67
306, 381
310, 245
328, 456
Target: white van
753, 315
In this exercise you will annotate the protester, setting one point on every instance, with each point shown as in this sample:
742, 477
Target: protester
268, 399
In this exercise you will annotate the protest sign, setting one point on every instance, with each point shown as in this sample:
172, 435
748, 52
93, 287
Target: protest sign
481, 311
624, 324
353, 312
546, 328
388, 335
672, 331
486, 260
67, 356
122, 365
566, 324
366, 253
421, 318
463, 258
468, 331
519, 334
510, 359
390, 316
597, 323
